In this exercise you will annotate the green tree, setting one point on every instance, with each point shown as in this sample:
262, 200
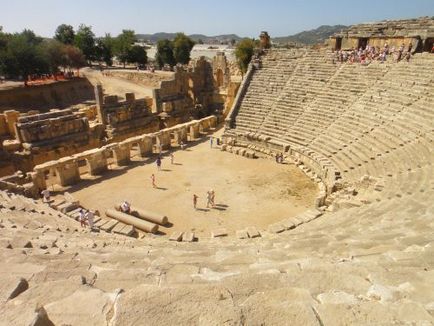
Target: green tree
85, 41
182, 46
3, 49
244, 52
137, 55
53, 52
23, 55
65, 34
104, 49
164, 53
123, 45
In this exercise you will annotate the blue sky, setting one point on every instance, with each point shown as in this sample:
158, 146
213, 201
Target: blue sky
211, 17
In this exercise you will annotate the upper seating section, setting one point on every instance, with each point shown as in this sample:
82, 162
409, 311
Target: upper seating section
373, 119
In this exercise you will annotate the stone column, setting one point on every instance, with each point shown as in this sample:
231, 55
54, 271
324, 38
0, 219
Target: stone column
11, 117
193, 131
67, 172
182, 134
99, 103
145, 146
121, 154
177, 136
213, 121
163, 139
204, 125
38, 179
96, 162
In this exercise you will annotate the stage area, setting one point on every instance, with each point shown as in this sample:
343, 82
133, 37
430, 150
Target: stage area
249, 192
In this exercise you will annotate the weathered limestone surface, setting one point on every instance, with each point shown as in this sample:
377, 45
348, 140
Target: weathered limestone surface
329, 270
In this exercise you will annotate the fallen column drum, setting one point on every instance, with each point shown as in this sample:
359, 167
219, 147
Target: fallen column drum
146, 215
131, 220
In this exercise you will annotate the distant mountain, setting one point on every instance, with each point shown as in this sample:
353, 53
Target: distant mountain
154, 38
313, 36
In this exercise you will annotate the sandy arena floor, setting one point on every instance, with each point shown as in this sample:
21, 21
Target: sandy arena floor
248, 192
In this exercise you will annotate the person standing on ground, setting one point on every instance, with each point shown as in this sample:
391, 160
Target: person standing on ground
195, 197
172, 158
158, 161
82, 218
208, 198
153, 181
45, 195
89, 217
212, 197
211, 141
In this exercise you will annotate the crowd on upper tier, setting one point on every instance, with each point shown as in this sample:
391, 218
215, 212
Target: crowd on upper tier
371, 53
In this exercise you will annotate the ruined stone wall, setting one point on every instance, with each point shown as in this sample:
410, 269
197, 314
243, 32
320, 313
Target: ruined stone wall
353, 42
45, 97
34, 139
418, 32
67, 171
37, 129
149, 79
123, 119
4, 130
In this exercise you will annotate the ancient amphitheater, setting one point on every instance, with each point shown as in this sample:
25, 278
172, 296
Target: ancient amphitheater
357, 250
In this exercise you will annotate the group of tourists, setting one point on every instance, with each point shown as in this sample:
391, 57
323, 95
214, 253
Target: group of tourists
210, 199
372, 53
86, 218
211, 141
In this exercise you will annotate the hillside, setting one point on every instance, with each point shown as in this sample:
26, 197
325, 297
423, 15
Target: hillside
314, 36
195, 37
318, 35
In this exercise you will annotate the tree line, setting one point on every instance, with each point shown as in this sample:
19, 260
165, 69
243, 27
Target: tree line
24, 54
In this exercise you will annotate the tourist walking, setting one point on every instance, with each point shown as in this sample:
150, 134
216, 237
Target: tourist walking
153, 181
158, 161
212, 197
89, 217
208, 198
172, 158
195, 197
211, 141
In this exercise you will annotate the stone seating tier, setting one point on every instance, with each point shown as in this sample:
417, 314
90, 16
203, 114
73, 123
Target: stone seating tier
374, 119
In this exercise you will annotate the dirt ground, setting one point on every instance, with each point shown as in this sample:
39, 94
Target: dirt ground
248, 192
116, 86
